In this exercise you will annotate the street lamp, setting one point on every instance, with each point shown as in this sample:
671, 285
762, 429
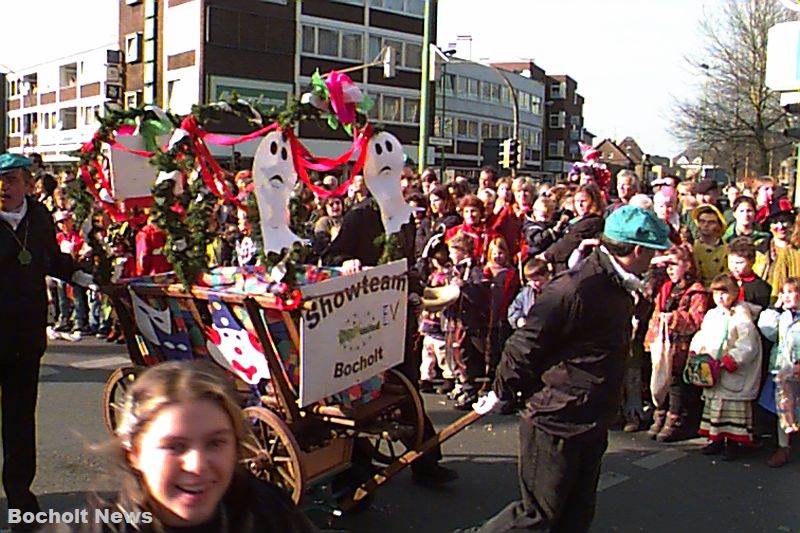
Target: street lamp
443, 155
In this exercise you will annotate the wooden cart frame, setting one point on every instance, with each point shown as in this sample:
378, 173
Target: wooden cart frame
297, 448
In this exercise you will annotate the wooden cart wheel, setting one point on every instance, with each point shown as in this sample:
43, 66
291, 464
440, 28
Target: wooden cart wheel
398, 429
277, 457
114, 392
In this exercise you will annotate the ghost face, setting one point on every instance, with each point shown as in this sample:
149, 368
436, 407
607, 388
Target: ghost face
383, 166
238, 351
274, 177
149, 319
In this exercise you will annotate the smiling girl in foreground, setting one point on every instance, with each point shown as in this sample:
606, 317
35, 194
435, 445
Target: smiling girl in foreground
181, 442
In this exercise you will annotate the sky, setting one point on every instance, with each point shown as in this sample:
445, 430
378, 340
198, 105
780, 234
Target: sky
628, 56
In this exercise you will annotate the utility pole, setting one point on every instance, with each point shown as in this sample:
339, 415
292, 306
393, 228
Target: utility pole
425, 86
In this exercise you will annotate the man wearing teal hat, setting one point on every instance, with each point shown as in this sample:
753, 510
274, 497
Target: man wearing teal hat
568, 363
28, 253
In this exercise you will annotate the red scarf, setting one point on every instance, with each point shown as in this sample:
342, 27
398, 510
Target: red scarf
746, 279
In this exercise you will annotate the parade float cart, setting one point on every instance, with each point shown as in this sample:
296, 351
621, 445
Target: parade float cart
314, 370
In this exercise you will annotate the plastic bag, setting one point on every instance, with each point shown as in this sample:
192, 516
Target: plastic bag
787, 400
661, 357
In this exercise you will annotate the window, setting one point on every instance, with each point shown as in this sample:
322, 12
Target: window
397, 46
461, 86
555, 149
408, 7
524, 100
472, 88
374, 113
351, 46
309, 39
327, 42
88, 115
504, 99
133, 99
69, 118
494, 92
557, 90
333, 43
472, 129
391, 108
133, 47
410, 111
413, 55
462, 127
408, 55
68, 75
556, 120
536, 105
449, 84
486, 91
486, 131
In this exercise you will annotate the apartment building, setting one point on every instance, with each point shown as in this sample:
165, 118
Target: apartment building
52, 108
179, 52
474, 113
564, 126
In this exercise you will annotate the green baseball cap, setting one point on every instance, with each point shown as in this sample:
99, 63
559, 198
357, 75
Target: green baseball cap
9, 162
634, 225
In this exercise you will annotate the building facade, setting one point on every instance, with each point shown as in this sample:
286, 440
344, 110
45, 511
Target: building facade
52, 108
563, 122
179, 52
474, 113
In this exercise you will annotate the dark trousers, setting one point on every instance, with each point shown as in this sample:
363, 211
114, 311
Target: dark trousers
557, 480
684, 399
19, 382
472, 356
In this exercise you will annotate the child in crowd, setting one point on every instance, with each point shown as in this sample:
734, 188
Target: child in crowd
503, 285
752, 289
467, 320
537, 272
472, 210
434, 350
729, 336
781, 325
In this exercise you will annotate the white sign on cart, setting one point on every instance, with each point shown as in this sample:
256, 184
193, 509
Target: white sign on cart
352, 328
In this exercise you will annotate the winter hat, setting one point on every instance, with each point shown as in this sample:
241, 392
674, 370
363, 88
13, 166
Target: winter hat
634, 225
9, 162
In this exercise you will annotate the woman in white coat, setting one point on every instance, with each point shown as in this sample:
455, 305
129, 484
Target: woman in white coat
729, 335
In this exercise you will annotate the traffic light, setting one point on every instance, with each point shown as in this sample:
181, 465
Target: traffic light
511, 154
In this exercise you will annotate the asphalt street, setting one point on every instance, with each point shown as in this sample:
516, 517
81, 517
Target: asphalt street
645, 486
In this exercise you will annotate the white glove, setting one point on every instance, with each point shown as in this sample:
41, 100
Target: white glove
351, 266
488, 404
82, 279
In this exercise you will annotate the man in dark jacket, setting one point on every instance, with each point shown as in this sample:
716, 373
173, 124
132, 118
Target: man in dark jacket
357, 246
569, 362
28, 252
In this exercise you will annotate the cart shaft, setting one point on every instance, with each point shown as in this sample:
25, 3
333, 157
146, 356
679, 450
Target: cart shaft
406, 459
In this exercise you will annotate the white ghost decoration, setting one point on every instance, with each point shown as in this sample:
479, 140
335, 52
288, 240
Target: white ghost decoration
274, 178
148, 319
382, 169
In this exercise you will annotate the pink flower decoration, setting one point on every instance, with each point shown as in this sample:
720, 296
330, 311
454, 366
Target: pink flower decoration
344, 95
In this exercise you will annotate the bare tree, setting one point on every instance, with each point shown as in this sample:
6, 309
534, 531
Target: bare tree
735, 121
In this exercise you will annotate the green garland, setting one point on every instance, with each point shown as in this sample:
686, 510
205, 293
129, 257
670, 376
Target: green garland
184, 215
